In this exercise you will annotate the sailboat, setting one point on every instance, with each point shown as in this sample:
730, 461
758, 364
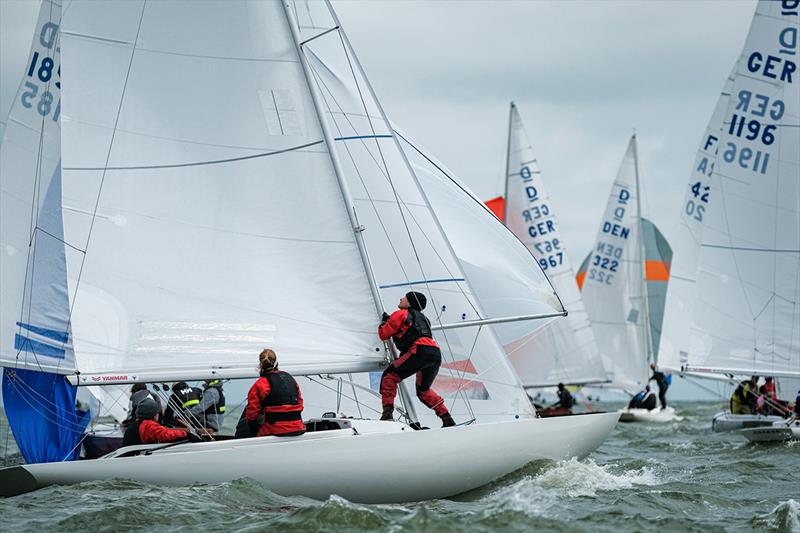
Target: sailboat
741, 226
260, 207
623, 284
565, 351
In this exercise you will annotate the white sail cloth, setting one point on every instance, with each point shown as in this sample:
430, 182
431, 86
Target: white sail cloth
674, 346
747, 315
417, 224
613, 286
34, 331
207, 205
566, 350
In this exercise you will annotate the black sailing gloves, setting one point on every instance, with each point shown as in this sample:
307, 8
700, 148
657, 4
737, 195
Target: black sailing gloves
384, 317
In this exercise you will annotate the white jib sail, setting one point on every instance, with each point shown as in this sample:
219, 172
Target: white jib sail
747, 316
409, 234
566, 349
613, 286
674, 346
202, 199
34, 330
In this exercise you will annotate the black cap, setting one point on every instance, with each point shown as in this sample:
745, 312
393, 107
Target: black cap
147, 408
416, 300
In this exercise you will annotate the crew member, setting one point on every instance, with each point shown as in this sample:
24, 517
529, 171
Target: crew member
410, 330
211, 408
182, 399
565, 399
145, 429
274, 403
663, 384
644, 399
744, 397
138, 393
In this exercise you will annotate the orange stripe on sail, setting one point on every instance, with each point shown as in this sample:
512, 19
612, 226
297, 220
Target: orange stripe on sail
465, 365
656, 271
497, 206
579, 278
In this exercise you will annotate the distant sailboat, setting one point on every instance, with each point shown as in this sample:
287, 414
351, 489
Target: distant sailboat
745, 311
623, 283
272, 204
565, 351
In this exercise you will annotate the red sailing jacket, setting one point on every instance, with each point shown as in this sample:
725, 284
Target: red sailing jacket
152, 432
257, 403
397, 326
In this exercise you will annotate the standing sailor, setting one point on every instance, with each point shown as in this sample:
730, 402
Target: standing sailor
211, 408
663, 385
419, 354
274, 403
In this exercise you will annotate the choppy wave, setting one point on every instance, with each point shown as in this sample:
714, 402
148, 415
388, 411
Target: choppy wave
785, 517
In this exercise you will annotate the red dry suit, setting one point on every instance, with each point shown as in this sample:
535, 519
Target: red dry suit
151, 432
419, 354
277, 397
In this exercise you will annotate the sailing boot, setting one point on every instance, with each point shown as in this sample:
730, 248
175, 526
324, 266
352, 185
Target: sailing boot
387, 412
447, 420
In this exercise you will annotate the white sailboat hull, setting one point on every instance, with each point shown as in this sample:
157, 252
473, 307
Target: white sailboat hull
398, 465
656, 416
780, 432
726, 421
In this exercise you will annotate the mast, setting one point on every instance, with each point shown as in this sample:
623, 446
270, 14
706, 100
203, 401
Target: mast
508, 159
643, 251
345, 190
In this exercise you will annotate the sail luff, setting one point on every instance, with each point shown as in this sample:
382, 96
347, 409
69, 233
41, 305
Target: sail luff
640, 236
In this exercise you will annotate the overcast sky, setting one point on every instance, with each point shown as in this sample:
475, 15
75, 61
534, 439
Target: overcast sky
583, 74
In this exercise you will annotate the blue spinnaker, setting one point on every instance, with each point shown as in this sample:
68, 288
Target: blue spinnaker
41, 412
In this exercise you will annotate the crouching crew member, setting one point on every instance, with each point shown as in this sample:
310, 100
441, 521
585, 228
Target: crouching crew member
180, 403
419, 354
211, 408
274, 402
145, 430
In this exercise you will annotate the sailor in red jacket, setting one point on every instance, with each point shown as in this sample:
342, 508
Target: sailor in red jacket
419, 354
274, 401
145, 430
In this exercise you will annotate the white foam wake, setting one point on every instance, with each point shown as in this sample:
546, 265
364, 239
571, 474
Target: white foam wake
784, 517
573, 478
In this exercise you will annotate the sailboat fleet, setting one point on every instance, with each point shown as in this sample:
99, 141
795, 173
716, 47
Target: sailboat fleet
156, 231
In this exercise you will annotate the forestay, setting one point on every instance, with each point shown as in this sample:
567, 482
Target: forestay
747, 318
612, 282
204, 218
674, 346
407, 203
566, 350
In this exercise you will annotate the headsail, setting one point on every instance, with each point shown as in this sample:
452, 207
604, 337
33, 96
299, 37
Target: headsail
747, 316
674, 347
565, 350
612, 281
182, 199
398, 191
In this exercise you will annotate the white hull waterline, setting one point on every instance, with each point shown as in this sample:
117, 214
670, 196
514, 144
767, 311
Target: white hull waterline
656, 416
345, 462
780, 432
727, 421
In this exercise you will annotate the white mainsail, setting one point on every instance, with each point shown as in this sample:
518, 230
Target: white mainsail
681, 294
566, 350
182, 197
746, 319
612, 284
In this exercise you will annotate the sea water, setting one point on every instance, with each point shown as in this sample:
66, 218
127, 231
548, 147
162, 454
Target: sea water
678, 476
